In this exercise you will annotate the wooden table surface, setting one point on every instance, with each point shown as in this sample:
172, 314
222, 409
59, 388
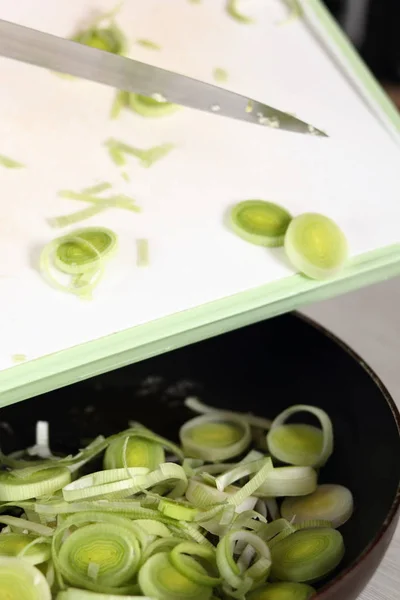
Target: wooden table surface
369, 321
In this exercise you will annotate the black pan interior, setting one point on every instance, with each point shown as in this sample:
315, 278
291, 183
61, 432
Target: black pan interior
262, 368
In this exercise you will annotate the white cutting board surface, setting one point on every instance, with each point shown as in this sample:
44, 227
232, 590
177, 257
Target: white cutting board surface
57, 127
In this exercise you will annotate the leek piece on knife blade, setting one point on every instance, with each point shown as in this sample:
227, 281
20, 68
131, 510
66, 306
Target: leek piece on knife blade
151, 107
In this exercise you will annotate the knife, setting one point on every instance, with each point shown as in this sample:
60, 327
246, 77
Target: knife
65, 56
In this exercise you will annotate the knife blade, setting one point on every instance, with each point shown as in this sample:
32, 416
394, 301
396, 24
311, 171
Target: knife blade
65, 56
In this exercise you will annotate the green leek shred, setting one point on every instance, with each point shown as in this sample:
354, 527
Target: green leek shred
220, 75
142, 253
149, 44
147, 158
98, 205
10, 163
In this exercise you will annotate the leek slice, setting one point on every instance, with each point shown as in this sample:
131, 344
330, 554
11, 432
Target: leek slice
21, 581
138, 452
254, 421
288, 481
283, 591
41, 483
307, 555
84, 252
177, 510
260, 222
113, 548
81, 254
214, 437
233, 11
32, 549
146, 106
186, 569
330, 502
316, 246
234, 577
158, 578
205, 496
302, 445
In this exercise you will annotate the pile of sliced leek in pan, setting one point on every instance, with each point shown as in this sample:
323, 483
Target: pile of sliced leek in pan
234, 511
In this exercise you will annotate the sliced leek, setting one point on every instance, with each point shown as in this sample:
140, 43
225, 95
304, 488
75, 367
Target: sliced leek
21, 581
113, 549
260, 222
316, 246
138, 452
41, 483
330, 502
283, 591
158, 578
214, 438
288, 481
254, 421
29, 547
81, 254
307, 555
302, 445
193, 528
176, 557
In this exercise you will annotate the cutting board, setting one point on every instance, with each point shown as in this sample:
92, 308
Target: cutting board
202, 280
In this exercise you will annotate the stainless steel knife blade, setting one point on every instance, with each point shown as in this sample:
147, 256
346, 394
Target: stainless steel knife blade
65, 56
